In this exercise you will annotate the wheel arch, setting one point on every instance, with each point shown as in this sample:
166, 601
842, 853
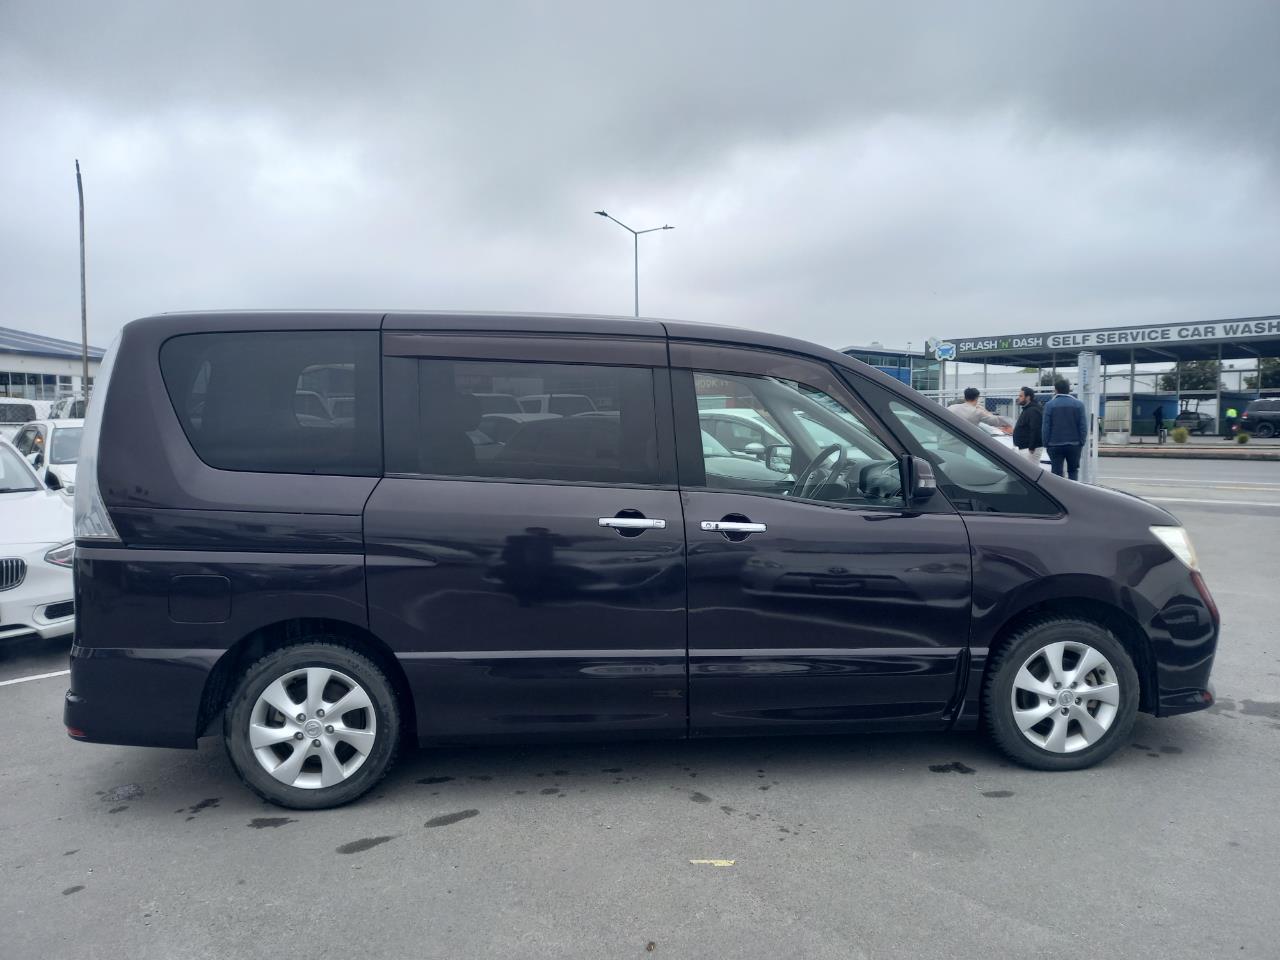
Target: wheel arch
1107, 614
222, 679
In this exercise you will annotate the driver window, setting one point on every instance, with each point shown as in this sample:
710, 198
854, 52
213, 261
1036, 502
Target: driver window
973, 481
774, 436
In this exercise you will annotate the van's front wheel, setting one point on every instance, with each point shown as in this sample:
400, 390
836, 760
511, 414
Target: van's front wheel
312, 726
1061, 695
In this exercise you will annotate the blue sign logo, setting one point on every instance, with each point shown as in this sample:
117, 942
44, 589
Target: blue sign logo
945, 351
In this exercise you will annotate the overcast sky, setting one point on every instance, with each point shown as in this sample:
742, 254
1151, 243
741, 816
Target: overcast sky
846, 173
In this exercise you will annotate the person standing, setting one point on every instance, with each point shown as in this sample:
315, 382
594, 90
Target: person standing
1229, 424
1027, 431
1159, 422
1064, 430
970, 411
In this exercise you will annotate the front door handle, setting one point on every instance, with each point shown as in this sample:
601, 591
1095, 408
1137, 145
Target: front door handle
633, 523
732, 526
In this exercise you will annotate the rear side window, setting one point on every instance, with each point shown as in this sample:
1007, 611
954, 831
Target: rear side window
279, 402
605, 432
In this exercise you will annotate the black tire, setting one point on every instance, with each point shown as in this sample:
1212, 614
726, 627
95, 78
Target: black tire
318, 651
998, 693
1265, 431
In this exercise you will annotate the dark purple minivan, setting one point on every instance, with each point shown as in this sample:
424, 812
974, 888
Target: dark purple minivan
308, 531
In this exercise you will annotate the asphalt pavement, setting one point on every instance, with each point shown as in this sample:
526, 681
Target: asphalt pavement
840, 847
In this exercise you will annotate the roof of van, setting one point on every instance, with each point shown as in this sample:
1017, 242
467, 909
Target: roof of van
463, 321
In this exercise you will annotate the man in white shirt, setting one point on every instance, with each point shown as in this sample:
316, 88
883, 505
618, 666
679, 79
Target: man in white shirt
975, 414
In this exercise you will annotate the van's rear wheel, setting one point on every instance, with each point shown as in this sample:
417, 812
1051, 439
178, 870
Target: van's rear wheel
312, 726
1265, 430
1061, 695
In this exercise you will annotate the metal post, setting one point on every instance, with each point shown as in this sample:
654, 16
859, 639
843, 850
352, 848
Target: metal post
1217, 390
84, 312
984, 376
636, 261
1088, 387
1132, 373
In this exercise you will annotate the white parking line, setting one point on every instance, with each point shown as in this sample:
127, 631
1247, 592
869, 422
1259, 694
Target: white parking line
35, 676
1207, 501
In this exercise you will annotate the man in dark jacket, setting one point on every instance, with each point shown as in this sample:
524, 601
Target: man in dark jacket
1026, 432
1064, 429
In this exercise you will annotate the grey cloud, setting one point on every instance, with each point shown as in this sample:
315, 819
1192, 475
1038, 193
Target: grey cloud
847, 172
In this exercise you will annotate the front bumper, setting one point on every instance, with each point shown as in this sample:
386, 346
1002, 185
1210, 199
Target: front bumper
41, 605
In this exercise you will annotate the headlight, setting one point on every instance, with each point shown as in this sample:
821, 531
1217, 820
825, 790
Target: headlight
62, 555
1179, 544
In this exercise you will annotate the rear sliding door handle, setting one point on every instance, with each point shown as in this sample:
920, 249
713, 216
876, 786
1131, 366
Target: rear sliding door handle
731, 526
632, 523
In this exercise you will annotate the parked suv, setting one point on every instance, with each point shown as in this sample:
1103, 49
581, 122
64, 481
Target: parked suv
321, 591
1261, 418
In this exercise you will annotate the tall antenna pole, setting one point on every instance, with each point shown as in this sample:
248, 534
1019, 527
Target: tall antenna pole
84, 312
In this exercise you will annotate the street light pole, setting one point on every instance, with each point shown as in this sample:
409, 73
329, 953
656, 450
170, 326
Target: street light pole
84, 313
635, 238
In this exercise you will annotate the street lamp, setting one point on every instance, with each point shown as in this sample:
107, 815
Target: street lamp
635, 235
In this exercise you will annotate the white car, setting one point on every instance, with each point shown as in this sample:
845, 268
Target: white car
36, 551
1006, 440
53, 448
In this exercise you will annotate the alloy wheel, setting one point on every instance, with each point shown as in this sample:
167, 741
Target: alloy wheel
313, 727
1065, 697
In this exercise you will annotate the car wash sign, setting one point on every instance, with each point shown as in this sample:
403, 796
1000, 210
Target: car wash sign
1112, 337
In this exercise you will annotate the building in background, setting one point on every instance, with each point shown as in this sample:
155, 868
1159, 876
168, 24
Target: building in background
913, 368
36, 367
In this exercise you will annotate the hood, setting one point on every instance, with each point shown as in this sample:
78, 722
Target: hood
36, 516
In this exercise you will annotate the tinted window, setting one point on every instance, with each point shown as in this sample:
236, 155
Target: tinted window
973, 480
279, 402
603, 432
769, 435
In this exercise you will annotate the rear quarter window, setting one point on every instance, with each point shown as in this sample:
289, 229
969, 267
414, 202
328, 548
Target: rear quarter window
279, 401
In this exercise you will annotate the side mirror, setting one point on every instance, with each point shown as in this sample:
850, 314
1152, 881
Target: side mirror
755, 448
777, 457
51, 480
35, 458
918, 479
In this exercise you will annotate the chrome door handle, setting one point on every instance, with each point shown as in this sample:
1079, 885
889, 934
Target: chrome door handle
732, 526
632, 523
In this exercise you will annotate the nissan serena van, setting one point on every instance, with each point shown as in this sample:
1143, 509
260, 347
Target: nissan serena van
320, 590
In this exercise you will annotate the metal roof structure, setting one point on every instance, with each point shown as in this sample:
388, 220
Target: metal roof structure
36, 345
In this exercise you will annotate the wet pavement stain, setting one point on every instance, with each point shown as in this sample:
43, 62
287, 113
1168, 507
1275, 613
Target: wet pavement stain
955, 766
727, 811
1169, 749
548, 791
1155, 755
998, 794
1260, 708
262, 823
1139, 746
126, 791
70, 852
431, 780
451, 818
123, 806
70, 890
204, 804
359, 846
698, 797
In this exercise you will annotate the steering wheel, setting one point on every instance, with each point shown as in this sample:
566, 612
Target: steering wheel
803, 478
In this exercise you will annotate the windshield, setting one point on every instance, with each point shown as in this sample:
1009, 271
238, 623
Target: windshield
14, 475
66, 445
